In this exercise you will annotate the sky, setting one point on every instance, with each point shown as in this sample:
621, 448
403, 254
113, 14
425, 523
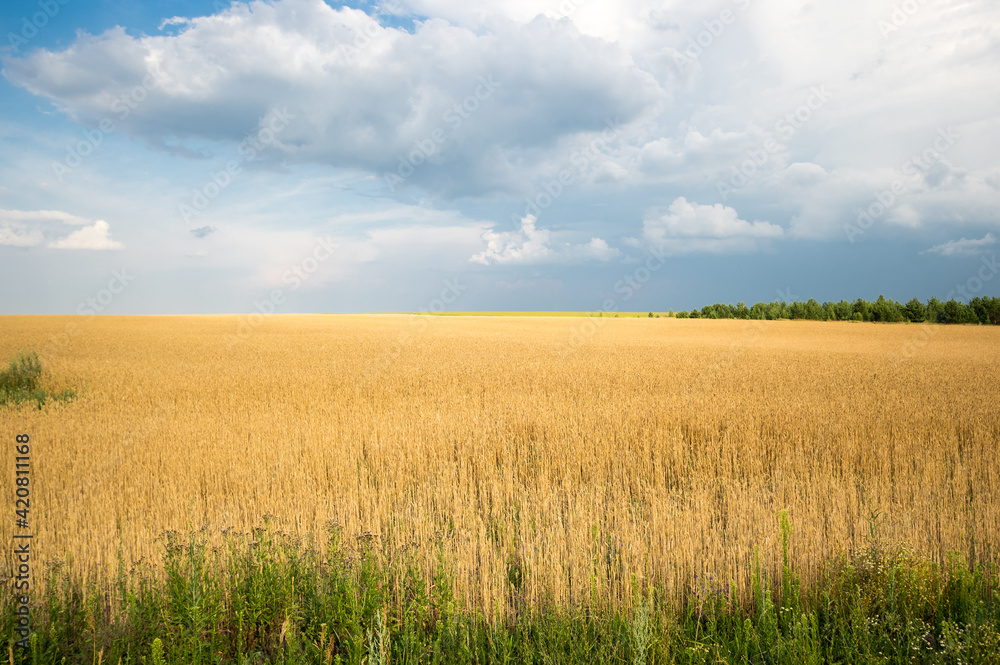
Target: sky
192, 157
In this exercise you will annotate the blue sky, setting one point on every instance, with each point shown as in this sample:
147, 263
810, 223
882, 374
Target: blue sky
301, 156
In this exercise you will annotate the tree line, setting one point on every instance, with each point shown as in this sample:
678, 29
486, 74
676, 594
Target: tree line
985, 311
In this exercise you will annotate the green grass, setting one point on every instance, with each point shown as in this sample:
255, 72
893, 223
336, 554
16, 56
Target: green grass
267, 597
20, 382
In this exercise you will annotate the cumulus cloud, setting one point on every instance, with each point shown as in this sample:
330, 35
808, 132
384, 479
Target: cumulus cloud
688, 227
97, 236
489, 96
532, 245
963, 246
41, 216
14, 234
360, 95
30, 228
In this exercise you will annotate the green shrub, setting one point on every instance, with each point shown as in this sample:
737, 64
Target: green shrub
20, 382
22, 373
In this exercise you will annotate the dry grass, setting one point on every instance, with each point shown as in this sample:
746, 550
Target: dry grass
652, 448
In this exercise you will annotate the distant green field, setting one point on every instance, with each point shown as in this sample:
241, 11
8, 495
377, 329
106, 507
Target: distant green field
606, 314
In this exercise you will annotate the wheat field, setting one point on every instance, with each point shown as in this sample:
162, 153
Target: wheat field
582, 457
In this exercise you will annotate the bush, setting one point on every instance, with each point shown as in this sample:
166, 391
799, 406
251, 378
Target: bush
22, 373
20, 382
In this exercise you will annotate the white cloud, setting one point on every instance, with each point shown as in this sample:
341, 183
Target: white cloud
962, 247
368, 247
362, 95
96, 237
527, 245
532, 245
41, 216
804, 174
688, 227
29, 228
904, 215
365, 95
595, 250
18, 235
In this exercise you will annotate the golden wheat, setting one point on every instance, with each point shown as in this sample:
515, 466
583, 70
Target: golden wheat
584, 455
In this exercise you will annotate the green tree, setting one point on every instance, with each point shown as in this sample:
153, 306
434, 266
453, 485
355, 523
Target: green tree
935, 311
915, 311
958, 312
991, 311
987, 310
886, 311
724, 311
814, 311
864, 308
844, 310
